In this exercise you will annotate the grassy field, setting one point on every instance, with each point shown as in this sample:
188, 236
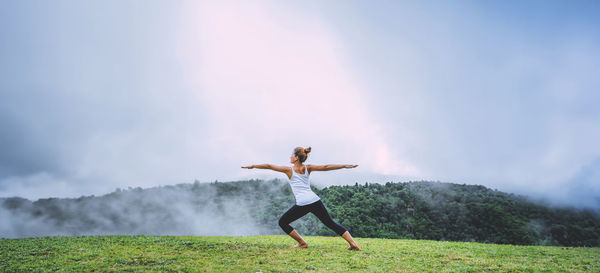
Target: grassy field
273, 254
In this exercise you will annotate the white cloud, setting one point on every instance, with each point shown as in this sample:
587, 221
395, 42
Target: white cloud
271, 79
387, 88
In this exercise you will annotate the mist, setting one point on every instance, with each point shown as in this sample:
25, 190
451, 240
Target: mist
157, 94
184, 209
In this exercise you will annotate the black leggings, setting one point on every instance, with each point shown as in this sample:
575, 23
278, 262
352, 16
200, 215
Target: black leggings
316, 208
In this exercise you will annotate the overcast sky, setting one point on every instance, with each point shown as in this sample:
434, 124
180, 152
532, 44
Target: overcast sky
97, 95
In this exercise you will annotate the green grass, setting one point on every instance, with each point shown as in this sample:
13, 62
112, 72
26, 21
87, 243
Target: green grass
273, 254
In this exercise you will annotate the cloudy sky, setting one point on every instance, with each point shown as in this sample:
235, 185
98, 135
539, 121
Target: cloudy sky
96, 95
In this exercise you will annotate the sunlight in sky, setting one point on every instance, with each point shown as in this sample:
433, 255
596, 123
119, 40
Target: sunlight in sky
100, 95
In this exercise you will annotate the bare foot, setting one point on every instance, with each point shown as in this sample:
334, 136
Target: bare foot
301, 245
353, 247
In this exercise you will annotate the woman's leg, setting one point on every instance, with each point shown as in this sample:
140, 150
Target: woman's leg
292, 215
319, 210
350, 240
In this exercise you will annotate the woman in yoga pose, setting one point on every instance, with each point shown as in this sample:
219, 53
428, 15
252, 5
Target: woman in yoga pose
306, 200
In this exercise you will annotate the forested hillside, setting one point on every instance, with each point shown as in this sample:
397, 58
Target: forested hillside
416, 210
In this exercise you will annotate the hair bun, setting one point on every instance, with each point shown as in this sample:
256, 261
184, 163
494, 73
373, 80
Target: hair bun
307, 150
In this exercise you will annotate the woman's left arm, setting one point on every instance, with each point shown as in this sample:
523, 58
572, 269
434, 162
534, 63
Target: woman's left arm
282, 169
268, 166
260, 166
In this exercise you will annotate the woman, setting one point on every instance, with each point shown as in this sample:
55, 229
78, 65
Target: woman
306, 200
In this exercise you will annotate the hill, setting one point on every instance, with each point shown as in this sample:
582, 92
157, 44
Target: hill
410, 210
273, 254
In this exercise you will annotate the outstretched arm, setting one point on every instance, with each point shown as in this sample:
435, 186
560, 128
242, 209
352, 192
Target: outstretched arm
329, 167
268, 166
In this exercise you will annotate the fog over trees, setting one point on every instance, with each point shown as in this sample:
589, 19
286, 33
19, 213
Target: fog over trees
416, 210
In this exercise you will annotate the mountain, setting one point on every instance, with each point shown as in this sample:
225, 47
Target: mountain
412, 210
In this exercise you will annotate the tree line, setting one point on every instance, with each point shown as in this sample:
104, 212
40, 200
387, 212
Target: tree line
413, 210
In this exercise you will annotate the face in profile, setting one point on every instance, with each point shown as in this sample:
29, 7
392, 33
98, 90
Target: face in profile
293, 158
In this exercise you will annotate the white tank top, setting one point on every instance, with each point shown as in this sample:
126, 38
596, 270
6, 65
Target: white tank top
301, 188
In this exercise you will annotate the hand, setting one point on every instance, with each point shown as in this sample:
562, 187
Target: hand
248, 167
350, 166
